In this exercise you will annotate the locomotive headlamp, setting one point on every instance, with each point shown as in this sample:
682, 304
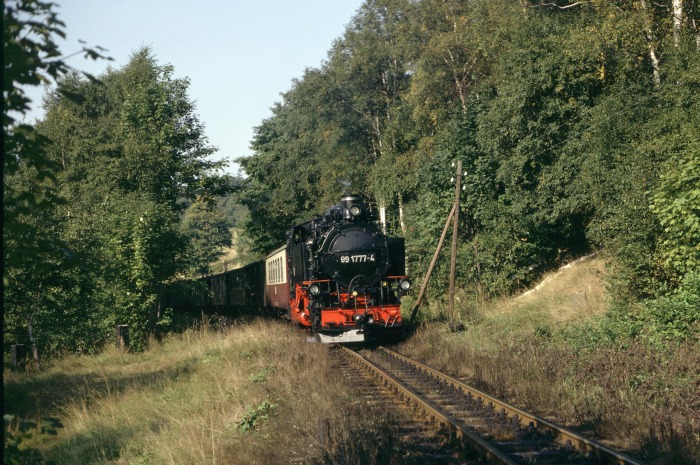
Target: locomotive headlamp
370, 320
359, 318
314, 289
355, 210
405, 284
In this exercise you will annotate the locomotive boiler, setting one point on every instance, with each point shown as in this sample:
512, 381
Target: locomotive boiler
344, 278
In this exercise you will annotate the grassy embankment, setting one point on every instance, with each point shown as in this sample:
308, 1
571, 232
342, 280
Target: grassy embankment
553, 352
258, 392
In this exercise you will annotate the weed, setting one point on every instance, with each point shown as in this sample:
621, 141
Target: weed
254, 417
261, 376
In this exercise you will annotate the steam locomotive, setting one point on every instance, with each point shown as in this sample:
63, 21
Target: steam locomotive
337, 275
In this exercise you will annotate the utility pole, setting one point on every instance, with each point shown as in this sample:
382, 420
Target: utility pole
453, 262
431, 267
454, 214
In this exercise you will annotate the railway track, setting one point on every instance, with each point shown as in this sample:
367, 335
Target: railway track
490, 428
420, 443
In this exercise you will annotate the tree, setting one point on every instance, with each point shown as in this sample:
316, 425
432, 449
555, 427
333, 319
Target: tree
675, 200
157, 119
142, 251
306, 155
30, 58
677, 204
372, 61
207, 233
131, 154
35, 262
127, 153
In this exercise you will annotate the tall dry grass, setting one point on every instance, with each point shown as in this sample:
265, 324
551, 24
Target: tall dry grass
254, 394
533, 352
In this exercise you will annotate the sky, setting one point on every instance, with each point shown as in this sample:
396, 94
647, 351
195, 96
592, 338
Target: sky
239, 55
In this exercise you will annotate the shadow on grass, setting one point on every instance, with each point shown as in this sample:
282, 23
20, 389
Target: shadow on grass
45, 394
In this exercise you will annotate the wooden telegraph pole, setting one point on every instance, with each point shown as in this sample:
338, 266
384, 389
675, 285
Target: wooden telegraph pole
421, 294
454, 215
453, 261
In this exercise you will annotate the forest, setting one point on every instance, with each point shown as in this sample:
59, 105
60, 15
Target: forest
577, 124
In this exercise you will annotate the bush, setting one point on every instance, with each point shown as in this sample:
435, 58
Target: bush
676, 317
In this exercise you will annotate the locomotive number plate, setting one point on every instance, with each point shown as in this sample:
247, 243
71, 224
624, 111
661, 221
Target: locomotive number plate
362, 258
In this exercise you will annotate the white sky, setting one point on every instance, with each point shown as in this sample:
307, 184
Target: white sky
239, 55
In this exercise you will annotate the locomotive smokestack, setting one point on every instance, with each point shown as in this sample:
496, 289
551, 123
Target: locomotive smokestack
353, 206
350, 199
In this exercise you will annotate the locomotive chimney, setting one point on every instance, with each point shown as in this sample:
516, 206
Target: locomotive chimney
352, 206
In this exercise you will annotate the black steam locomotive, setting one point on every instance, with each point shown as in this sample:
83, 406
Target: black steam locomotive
346, 278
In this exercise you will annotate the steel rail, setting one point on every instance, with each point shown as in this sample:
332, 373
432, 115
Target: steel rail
562, 436
487, 451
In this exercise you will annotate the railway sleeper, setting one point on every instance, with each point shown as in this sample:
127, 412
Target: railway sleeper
553, 457
520, 447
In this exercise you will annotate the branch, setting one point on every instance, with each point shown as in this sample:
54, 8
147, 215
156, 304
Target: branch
565, 7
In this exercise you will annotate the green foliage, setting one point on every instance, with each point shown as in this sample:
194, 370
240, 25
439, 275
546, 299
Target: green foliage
662, 323
131, 151
141, 252
255, 417
94, 198
40, 274
230, 206
676, 317
676, 199
30, 58
17, 434
332, 131
262, 375
676, 202
207, 233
